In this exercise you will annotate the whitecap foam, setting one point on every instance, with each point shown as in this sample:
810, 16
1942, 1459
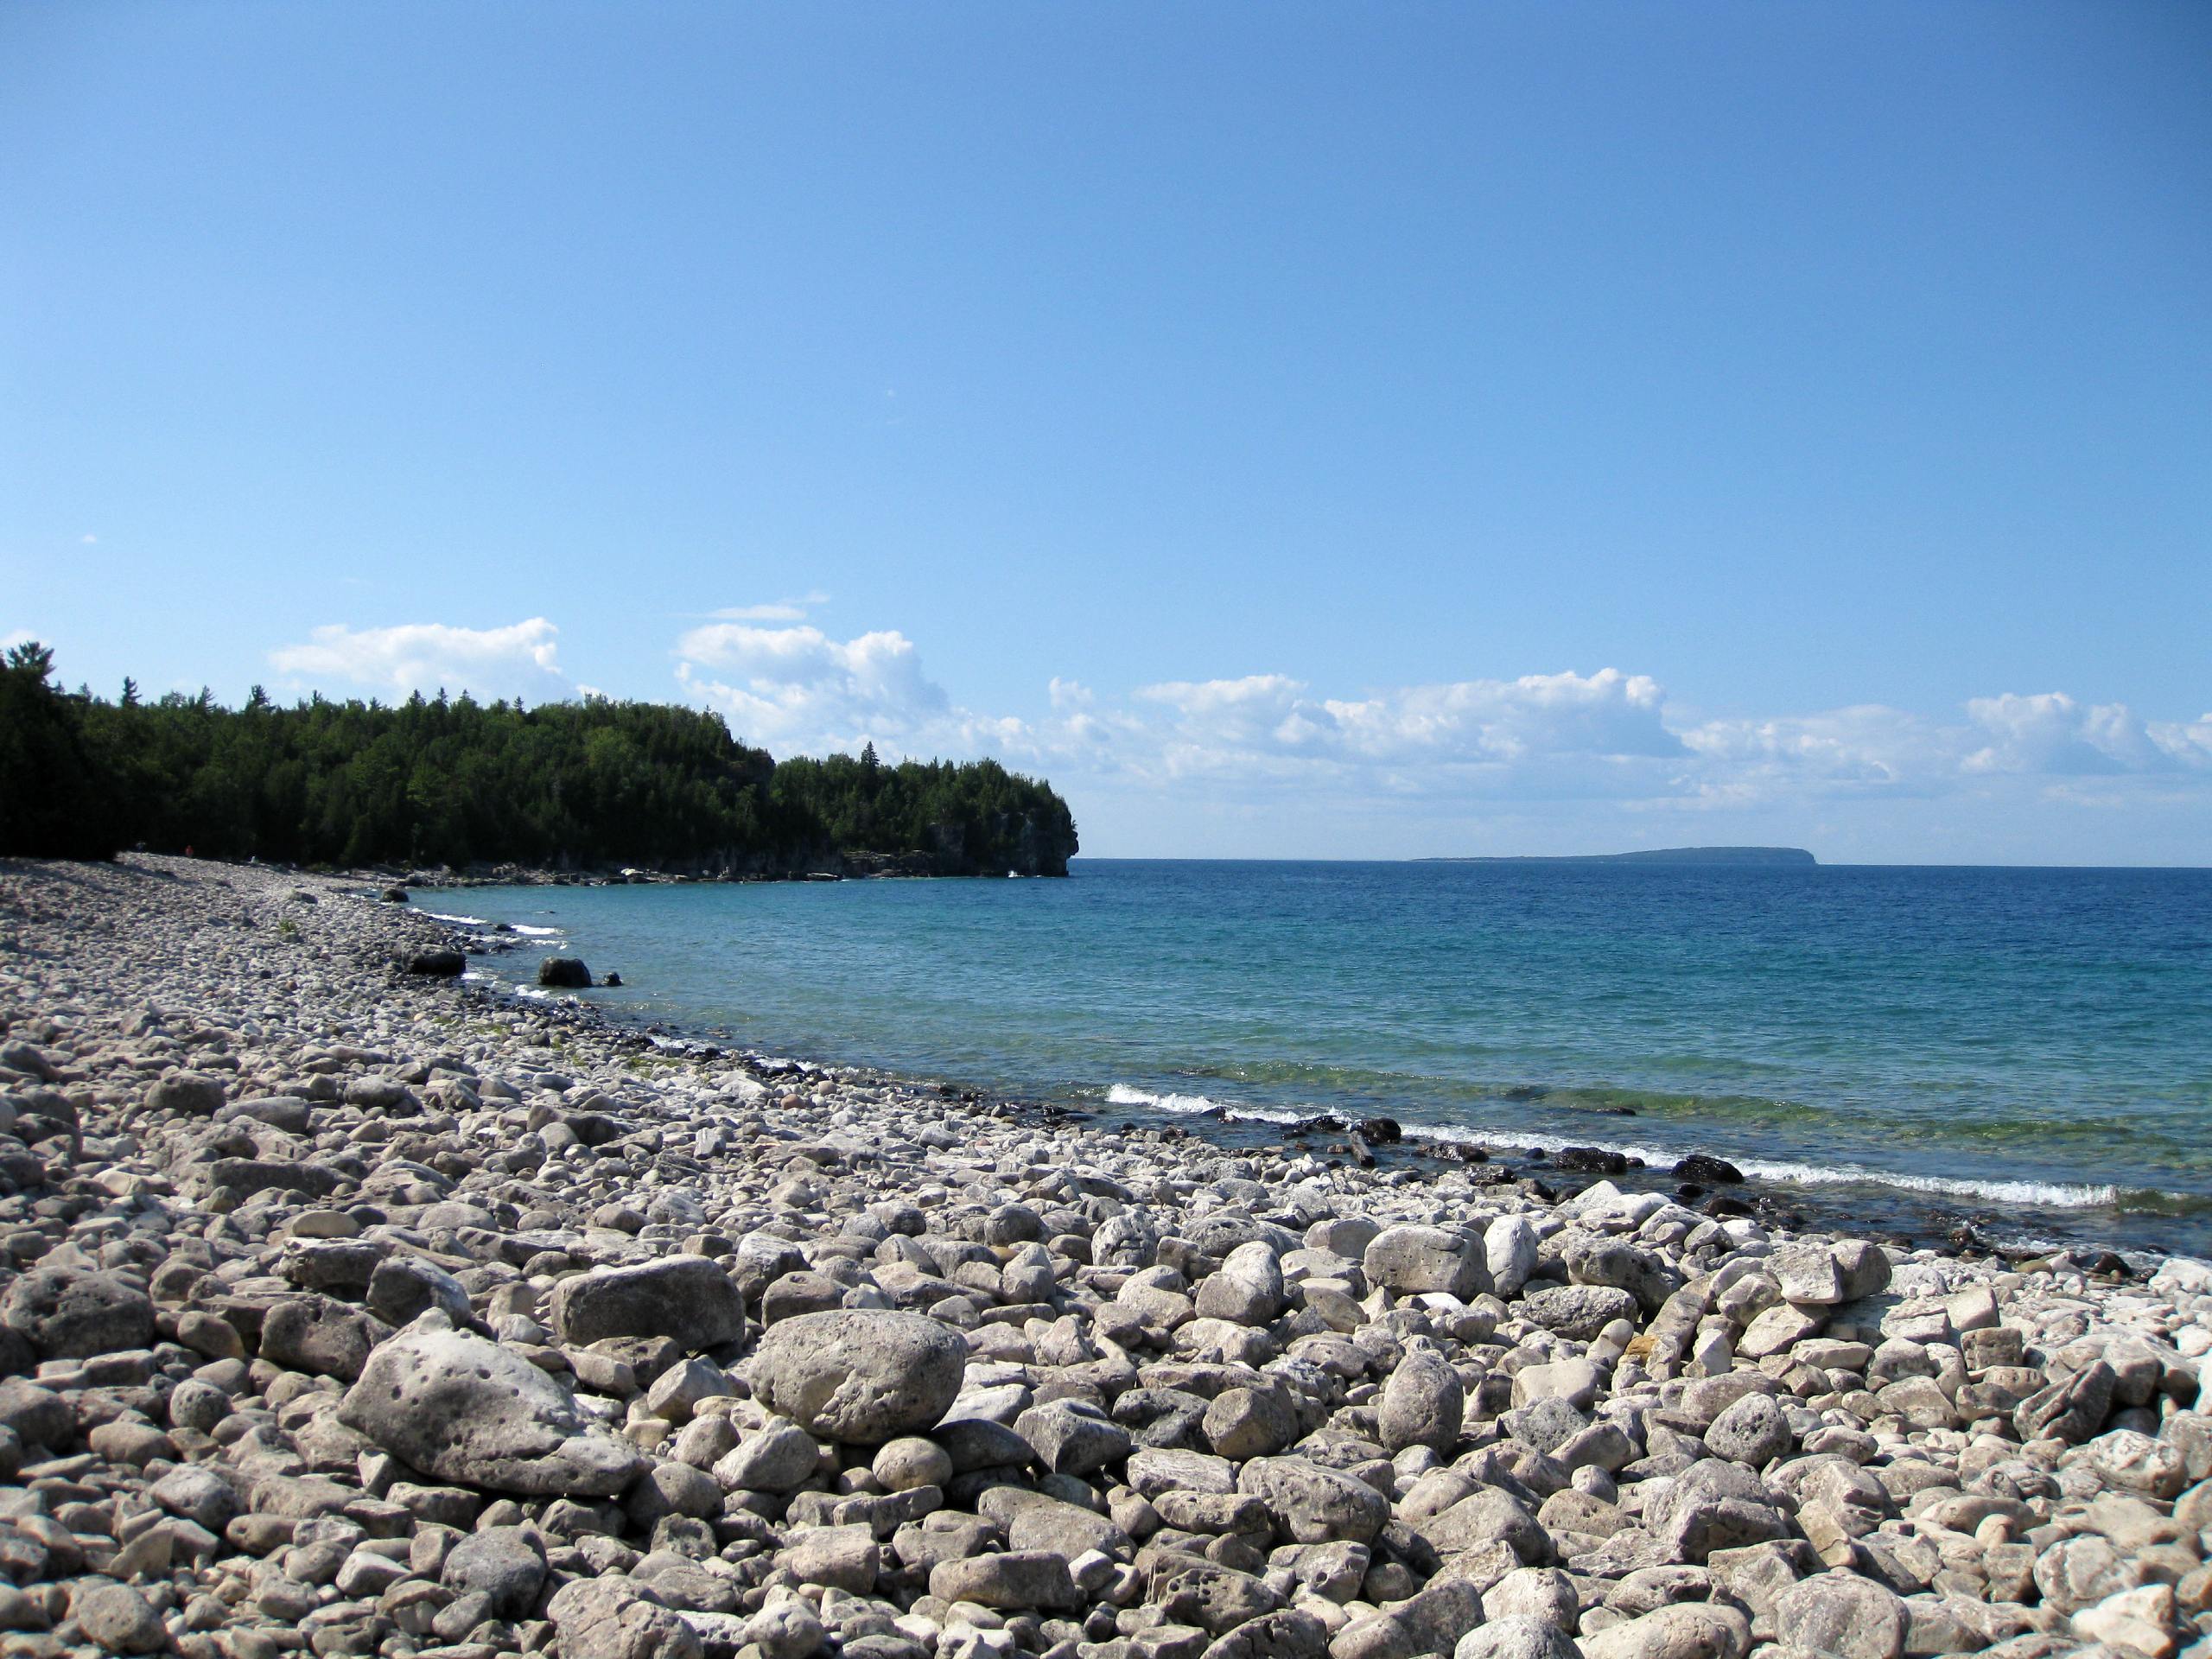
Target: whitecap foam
2051, 1195
537, 932
465, 921
1122, 1093
2057, 1195
2054, 1195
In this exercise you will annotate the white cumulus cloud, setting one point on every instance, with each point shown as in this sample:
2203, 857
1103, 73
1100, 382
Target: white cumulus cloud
2050, 733
1606, 746
797, 689
1837, 750
2188, 741
1608, 714
1567, 732
519, 660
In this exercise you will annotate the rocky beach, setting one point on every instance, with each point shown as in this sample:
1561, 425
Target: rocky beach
349, 1309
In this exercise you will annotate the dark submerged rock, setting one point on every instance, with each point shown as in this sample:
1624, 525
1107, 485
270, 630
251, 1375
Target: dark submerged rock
1704, 1167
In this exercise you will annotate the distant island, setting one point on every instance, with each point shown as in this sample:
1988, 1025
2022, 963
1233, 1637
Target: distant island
1764, 857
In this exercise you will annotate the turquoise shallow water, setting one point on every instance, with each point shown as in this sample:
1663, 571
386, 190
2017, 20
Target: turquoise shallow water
2033, 1047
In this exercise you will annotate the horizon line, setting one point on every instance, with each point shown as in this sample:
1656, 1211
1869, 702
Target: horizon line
1554, 858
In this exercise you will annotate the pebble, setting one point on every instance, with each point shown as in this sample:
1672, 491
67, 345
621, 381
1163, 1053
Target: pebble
348, 1310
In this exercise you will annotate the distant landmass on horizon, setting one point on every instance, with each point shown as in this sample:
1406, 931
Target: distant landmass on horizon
1793, 857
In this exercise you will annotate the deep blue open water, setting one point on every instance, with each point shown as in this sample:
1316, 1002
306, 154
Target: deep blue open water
2033, 1047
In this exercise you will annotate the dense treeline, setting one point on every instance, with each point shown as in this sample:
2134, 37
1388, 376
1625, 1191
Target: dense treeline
433, 781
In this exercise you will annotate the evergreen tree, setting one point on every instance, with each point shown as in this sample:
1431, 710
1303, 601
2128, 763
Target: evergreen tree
57, 788
453, 781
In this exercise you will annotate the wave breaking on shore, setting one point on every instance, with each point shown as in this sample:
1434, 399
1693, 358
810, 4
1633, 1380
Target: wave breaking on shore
2054, 1195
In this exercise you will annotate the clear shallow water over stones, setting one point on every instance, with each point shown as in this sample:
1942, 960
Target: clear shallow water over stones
511, 1334
2030, 1045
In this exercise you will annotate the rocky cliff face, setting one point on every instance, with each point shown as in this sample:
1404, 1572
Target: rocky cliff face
1023, 844
1018, 843
1026, 843
1045, 848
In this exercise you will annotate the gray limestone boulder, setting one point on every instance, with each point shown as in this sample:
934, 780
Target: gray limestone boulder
1544, 1592
1412, 1260
1435, 1619
2072, 1410
1424, 1404
780, 1457
1808, 1274
198, 1493
68, 1313
1510, 1250
478, 1415
402, 1287
1009, 1580
1073, 1436
1516, 1636
1864, 1267
1313, 1505
1580, 1311
1490, 1515
320, 1335
860, 1375
1752, 1432
612, 1618
119, 1620
1608, 1261
687, 1298
505, 1564
191, 1094
1191, 1590
1841, 1614
1287, 1633
1714, 1505
1689, 1630
1247, 1288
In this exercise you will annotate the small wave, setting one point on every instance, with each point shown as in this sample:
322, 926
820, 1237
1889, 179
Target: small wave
2054, 1195
2051, 1195
2150, 1201
535, 933
1122, 1094
465, 921
2060, 1195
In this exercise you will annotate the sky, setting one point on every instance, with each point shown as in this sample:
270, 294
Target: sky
1295, 430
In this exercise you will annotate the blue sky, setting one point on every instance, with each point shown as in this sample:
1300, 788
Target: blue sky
1295, 430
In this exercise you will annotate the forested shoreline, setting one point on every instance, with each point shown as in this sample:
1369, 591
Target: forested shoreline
588, 784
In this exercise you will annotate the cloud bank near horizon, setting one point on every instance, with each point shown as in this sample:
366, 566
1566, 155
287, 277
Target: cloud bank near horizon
523, 658
1274, 741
